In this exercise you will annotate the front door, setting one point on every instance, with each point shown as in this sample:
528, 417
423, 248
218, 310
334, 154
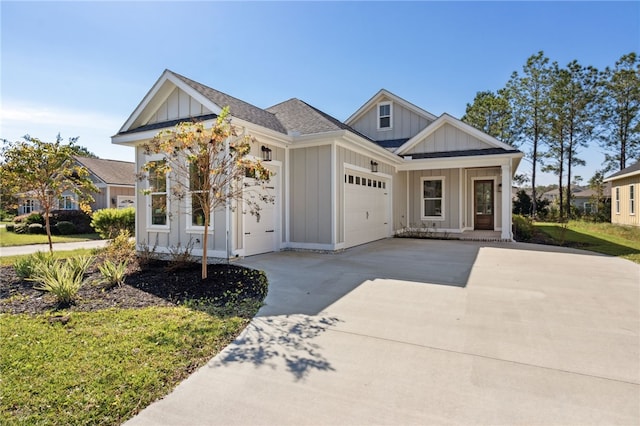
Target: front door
483, 191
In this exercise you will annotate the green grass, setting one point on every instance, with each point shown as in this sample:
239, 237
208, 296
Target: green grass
8, 239
9, 260
101, 367
603, 238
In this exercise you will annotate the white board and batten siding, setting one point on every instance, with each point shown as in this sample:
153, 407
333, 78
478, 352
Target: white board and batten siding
310, 196
404, 123
447, 138
178, 105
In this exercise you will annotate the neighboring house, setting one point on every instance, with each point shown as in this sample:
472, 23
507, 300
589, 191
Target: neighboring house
388, 167
115, 180
582, 199
586, 200
624, 195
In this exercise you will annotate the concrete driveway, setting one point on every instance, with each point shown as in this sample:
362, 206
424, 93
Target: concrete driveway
427, 332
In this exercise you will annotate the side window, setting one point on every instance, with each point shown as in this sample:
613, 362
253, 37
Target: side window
618, 200
158, 194
384, 115
632, 199
432, 198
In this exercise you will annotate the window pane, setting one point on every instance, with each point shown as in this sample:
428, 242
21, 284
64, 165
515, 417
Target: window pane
385, 110
432, 189
159, 209
433, 207
385, 122
157, 179
197, 212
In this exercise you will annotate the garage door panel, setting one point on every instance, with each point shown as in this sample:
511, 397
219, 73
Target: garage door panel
366, 208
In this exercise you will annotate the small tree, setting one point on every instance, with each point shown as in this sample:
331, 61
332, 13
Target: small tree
45, 171
206, 168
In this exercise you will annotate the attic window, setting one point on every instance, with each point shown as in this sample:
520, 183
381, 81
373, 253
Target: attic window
384, 115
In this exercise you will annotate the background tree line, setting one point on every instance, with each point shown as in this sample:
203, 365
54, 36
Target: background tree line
553, 113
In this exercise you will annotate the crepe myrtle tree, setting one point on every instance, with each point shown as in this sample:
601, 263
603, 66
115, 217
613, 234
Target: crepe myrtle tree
205, 167
45, 171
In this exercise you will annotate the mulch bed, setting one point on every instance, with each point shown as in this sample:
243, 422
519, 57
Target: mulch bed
153, 285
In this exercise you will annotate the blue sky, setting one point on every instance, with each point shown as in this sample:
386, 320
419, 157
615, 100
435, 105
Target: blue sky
80, 68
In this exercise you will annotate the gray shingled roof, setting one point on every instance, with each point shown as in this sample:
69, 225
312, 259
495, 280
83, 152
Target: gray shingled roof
111, 172
237, 107
301, 118
463, 153
632, 168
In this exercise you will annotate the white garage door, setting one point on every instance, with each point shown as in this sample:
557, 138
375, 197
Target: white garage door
366, 208
260, 232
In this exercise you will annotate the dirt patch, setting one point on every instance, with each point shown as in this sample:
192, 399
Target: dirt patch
153, 285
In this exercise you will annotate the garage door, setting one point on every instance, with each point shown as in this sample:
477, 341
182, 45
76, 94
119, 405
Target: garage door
260, 232
366, 208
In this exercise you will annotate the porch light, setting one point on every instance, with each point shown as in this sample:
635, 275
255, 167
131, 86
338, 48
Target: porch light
266, 153
374, 166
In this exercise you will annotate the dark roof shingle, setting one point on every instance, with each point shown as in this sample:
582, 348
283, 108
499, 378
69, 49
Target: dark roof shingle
237, 107
632, 168
111, 172
463, 153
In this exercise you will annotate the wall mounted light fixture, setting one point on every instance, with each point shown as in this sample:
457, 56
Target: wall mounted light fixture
266, 153
374, 166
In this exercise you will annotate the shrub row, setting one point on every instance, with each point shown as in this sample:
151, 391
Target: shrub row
107, 222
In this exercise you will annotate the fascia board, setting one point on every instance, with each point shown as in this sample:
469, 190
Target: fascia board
216, 109
624, 176
457, 162
144, 102
447, 119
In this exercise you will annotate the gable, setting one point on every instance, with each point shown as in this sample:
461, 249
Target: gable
405, 123
447, 138
407, 120
177, 105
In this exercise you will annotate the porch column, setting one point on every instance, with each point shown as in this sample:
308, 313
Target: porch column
506, 202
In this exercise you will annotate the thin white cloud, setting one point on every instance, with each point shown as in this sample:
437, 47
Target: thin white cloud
17, 115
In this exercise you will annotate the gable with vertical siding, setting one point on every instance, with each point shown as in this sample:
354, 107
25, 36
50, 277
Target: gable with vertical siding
405, 123
448, 138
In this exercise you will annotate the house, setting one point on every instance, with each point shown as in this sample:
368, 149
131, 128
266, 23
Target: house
582, 198
586, 199
115, 180
624, 195
389, 167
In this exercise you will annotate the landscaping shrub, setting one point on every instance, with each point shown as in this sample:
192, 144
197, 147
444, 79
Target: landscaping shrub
80, 219
64, 228
10, 227
110, 222
113, 274
36, 229
27, 265
80, 264
121, 248
523, 228
29, 218
21, 228
62, 279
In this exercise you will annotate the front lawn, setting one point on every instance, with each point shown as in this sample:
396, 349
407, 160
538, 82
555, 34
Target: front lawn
603, 238
12, 239
117, 349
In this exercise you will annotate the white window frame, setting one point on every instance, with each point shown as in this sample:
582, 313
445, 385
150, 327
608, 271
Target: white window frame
617, 201
62, 202
191, 228
30, 204
632, 200
150, 225
442, 198
381, 104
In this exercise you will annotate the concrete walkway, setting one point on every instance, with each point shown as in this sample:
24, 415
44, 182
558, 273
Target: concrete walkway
427, 332
32, 248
